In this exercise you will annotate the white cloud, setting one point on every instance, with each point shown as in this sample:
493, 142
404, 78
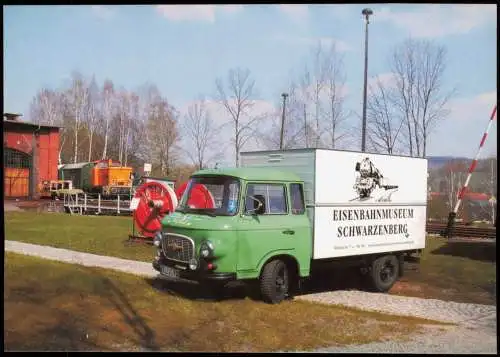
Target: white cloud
297, 12
475, 108
438, 20
205, 13
460, 133
387, 79
103, 12
326, 42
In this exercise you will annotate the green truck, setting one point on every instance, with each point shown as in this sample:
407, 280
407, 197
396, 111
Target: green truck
283, 214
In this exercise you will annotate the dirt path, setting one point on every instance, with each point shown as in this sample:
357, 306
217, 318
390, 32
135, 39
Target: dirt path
475, 333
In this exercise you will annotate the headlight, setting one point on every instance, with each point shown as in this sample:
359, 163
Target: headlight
157, 239
193, 264
206, 249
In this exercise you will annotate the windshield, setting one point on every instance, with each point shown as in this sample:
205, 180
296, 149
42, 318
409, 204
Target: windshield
215, 196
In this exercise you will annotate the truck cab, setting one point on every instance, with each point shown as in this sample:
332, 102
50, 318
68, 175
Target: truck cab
238, 224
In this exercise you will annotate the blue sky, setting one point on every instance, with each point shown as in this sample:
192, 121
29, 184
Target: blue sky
183, 49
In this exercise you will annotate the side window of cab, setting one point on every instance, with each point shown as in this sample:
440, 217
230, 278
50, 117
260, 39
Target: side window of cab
297, 198
272, 199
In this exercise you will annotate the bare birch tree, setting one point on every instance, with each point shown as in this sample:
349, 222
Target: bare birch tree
418, 66
131, 123
384, 123
47, 107
76, 99
200, 131
236, 97
122, 123
164, 135
92, 113
334, 77
107, 112
148, 96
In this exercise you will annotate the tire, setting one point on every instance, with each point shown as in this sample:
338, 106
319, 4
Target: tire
274, 282
384, 273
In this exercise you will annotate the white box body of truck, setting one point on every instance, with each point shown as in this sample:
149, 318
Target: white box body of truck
358, 203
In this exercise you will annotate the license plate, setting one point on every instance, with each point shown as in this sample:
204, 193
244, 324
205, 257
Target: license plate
170, 272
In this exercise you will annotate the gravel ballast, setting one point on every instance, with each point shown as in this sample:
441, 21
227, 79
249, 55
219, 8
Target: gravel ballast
475, 331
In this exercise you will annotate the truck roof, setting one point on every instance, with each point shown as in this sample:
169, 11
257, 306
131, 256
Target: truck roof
252, 174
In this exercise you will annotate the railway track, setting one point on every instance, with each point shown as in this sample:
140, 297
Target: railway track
464, 231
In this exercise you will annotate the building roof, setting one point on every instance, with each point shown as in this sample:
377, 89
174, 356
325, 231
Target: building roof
78, 165
252, 174
11, 123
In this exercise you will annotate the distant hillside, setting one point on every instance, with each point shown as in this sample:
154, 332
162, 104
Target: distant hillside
438, 161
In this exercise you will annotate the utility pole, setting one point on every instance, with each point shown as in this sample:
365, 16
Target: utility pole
284, 95
366, 13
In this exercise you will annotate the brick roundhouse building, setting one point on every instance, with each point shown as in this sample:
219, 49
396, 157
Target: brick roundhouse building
30, 156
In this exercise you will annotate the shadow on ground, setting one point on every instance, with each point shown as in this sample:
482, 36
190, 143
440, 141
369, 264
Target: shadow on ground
477, 250
72, 327
142, 334
322, 281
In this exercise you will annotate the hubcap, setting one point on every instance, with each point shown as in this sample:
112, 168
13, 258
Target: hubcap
387, 272
281, 280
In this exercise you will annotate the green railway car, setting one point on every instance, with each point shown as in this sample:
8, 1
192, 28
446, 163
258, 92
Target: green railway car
80, 174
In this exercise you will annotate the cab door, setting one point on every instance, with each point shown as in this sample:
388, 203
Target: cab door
265, 226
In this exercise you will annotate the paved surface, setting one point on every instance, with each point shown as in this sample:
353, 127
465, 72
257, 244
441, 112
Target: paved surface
476, 331
86, 259
470, 315
10, 206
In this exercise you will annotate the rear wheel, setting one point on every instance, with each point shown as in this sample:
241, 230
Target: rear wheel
274, 282
384, 273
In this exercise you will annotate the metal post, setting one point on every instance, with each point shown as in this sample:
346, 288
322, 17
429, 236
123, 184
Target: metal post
366, 13
85, 202
118, 204
284, 95
99, 203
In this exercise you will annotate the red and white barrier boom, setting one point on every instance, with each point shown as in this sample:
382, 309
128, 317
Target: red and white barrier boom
461, 193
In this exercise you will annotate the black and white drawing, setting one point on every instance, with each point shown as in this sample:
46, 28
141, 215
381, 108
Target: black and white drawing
370, 184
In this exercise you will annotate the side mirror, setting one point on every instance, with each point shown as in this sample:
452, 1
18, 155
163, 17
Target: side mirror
252, 211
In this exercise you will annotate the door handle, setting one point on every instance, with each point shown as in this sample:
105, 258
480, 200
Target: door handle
289, 231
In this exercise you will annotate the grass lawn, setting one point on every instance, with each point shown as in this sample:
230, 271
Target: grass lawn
455, 271
103, 235
58, 306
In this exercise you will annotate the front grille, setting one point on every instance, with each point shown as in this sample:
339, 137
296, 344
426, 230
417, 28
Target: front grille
178, 248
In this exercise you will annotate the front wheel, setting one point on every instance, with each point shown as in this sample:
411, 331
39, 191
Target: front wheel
384, 273
274, 282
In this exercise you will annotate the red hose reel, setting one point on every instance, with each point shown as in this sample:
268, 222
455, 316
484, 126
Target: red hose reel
156, 200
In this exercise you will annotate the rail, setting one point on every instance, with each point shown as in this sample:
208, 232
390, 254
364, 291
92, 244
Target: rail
464, 231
